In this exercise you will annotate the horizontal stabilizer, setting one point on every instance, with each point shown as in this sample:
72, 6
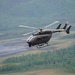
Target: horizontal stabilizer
58, 26
68, 30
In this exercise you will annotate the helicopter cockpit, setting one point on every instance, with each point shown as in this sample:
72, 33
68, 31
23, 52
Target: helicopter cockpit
42, 33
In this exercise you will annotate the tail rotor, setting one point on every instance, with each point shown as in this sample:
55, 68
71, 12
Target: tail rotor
66, 28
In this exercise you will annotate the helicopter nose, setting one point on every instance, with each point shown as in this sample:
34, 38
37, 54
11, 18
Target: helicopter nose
28, 41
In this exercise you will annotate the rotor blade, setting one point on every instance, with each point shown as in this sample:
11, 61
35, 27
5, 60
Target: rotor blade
27, 27
51, 24
29, 33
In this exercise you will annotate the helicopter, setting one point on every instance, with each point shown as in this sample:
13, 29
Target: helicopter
42, 37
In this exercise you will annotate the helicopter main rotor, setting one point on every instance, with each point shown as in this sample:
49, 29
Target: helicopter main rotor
40, 30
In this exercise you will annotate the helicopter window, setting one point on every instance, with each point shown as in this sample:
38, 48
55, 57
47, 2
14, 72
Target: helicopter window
44, 37
39, 38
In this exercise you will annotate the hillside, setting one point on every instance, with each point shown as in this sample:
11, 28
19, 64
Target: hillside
42, 72
36, 13
60, 59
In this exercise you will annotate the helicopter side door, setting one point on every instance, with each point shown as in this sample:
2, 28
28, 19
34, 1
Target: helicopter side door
43, 39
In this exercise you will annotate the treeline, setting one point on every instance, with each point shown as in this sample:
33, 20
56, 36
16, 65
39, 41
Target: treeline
63, 59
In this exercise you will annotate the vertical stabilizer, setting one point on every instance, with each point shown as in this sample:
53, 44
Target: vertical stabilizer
58, 26
68, 30
65, 26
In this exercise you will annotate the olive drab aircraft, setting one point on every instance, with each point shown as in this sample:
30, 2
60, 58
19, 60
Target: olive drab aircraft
41, 37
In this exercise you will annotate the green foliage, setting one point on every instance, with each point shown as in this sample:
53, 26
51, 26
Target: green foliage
64, 59
9, 67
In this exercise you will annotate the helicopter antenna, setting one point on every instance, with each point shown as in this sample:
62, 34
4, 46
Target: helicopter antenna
67, 22
40, 30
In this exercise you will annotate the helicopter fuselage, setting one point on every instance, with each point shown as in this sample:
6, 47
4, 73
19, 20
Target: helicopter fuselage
44, 35
39, 38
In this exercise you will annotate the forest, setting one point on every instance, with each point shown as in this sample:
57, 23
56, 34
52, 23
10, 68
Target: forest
60, 59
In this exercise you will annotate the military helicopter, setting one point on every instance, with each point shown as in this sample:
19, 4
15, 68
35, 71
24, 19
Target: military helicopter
42, 37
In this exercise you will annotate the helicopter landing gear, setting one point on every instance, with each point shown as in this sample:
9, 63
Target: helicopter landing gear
47, 44
42, 45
